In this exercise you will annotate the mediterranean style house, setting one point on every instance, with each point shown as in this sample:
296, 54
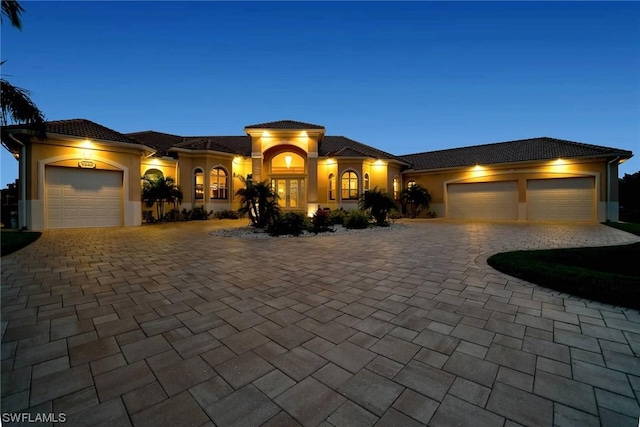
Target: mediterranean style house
86, 175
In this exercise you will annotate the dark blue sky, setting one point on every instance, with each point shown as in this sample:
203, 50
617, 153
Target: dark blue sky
403, 77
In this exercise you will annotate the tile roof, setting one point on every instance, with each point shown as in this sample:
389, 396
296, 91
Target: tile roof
340, 146
157, 140
523, 150
285, 124
83, 128
227, 144
330, 146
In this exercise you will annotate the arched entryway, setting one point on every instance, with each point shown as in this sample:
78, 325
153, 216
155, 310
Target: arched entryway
287, 169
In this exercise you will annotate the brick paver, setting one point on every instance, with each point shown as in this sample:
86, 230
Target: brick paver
404, 326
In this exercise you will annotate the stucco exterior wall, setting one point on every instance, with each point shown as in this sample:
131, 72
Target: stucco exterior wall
68, 153
187, 166
436, 181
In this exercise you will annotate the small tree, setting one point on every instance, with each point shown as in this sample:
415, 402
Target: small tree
259, 201
378, 203
159, 190
415, 198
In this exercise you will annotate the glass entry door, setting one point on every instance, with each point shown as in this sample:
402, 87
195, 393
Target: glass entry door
290, 191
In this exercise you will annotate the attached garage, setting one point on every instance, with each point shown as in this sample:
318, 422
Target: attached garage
83, 198
561, 199
483, 200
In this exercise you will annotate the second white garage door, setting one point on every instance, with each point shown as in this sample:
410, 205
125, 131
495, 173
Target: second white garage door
483, 200
83, 198
561, 199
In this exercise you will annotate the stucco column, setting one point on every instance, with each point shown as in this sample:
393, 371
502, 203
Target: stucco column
312, 185
256, 167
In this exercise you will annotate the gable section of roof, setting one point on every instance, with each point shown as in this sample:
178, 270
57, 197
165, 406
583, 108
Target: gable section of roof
285, 124
340, 146
543, 148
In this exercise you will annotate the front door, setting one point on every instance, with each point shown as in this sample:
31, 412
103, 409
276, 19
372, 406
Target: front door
290, 191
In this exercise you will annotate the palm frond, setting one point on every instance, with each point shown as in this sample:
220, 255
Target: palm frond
13, 10
18, 107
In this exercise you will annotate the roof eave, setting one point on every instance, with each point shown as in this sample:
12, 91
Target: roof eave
105, 142
621, 155
187, 150
109, 143
258, 132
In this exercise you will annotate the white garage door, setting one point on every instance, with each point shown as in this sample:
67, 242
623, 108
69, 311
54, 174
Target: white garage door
483, 200
83, 198
561, 199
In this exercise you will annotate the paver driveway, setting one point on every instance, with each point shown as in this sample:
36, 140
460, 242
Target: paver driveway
168, 325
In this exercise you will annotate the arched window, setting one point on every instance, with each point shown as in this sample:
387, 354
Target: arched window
218, 183
395, 187
349, 186
332, 186
287, 163
198, 184
366, 182
153, 174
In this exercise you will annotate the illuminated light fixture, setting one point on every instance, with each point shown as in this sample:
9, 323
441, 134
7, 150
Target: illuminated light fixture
86, 144
559, 162
287, 160
237, 159
378, 162
477, 171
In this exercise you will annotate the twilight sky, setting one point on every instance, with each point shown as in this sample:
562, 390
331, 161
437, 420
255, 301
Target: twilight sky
402, 77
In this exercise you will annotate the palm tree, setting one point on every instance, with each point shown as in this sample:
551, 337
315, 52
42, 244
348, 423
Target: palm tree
415, 198
378, 203
259, 201
16, 104
159, 190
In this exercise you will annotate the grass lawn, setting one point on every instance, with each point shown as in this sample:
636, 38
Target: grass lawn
13, 240
608, 274
629, 227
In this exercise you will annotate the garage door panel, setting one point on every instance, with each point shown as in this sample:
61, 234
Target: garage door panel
83, 198
561, 199
483, 200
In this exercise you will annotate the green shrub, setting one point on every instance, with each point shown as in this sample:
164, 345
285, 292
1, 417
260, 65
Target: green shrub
147, 216
337, 216
173, 215
198, 214
356, 219
291, 223
226, 214
321, 221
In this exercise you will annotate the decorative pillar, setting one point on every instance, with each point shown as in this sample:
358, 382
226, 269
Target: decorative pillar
312, 182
